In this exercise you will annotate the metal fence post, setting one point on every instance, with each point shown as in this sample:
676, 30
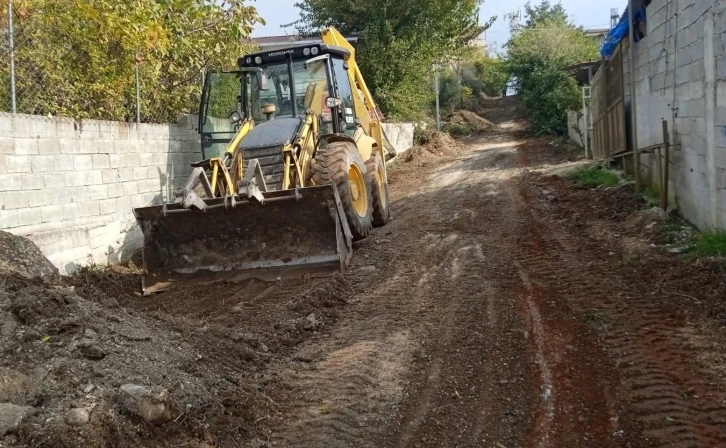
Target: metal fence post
436, 87
12, 56
138, 92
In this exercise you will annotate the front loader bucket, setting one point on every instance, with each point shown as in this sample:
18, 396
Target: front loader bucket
292, 234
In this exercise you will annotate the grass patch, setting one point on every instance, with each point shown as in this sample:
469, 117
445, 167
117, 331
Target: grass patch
651, 196
594, 176
710, 244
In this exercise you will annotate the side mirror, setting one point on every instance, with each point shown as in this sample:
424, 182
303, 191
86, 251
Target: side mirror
262, 81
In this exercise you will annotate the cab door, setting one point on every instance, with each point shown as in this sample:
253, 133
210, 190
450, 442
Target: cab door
345, 93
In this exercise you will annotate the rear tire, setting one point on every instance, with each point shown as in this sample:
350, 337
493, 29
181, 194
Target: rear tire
340, 164
378, 183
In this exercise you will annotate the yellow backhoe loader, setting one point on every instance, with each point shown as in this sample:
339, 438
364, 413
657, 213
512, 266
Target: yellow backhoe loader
293, 172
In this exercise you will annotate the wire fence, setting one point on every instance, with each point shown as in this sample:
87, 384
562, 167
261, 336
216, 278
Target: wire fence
40, 74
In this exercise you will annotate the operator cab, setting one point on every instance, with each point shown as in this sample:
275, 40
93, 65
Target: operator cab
278, 84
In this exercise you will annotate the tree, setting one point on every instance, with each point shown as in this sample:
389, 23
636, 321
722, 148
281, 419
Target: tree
538, 57
545, 12
78, 57
401, 41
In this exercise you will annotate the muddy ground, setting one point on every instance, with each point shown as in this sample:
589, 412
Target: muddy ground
502, 307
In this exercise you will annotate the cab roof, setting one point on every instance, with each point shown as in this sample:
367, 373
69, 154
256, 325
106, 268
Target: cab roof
300, 52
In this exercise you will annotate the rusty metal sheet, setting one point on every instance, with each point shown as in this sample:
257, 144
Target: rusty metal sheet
290, 235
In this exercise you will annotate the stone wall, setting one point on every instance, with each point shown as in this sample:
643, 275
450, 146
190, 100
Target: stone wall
70, 186
681, 78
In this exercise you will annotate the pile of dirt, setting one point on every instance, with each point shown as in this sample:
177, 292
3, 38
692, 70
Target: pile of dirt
78, 371
439, 144
470, 120
22, 257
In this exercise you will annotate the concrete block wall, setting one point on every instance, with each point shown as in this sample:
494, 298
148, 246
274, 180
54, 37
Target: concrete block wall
70, 186
576, 127
680, 71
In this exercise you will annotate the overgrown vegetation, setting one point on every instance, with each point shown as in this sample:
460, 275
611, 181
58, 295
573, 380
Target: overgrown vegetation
711, 243
78, 58
538, 56
402, 39
594, 176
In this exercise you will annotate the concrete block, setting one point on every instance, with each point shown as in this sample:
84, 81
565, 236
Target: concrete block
107, 206
96, 192
126, 174
132, 160
63, 162
160, 159
721, 66
7, 145
47, 146
9, 182
146, 159
130, 188
115, 190
52, 213
31, 181
117, 160
63, 195
18, 163
72, 211
176, 146
140, 173
13, 200
123, 205
101, 161
121, 147
54, 180
69, 146
89, 130
93, 177
692, 109
75, 178
90, 209
721, 93
30, 216
39, 198
110, 176
42, 164
149, 186
8, 218
82, 162
26, 146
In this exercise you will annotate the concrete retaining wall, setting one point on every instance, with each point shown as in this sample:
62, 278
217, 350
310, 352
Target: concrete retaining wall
400, 135
70, 185
681, 77
576, 127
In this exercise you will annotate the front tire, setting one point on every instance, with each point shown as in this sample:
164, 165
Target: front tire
378, 183
340, 164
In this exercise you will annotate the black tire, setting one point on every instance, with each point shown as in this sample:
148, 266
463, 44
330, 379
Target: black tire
332, 165
379, 190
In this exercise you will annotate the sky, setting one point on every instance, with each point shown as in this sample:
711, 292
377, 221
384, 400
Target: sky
588, 13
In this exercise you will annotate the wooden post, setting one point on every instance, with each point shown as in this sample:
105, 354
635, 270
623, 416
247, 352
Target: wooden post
667, 168
633, 101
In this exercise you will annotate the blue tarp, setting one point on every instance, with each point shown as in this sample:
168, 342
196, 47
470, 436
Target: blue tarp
621, 30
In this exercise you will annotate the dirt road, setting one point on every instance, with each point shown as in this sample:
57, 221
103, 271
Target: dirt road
500, 308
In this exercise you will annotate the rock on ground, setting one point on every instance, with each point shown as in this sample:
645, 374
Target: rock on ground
77, 417
11, 416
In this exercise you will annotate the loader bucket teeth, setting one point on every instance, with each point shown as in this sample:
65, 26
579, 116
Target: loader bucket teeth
294, 233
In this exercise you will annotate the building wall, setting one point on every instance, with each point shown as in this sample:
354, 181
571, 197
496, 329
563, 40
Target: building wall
70, 185
680, 71
576, 127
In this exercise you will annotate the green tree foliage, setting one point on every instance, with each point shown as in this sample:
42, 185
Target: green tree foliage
78, 57
545, 11
538, 57
471, 75
401, 41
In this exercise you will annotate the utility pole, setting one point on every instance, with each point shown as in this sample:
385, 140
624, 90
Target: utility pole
436, 87
633, 102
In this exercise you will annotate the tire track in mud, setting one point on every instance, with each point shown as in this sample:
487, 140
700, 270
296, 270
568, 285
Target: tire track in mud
342, 399
666, 398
